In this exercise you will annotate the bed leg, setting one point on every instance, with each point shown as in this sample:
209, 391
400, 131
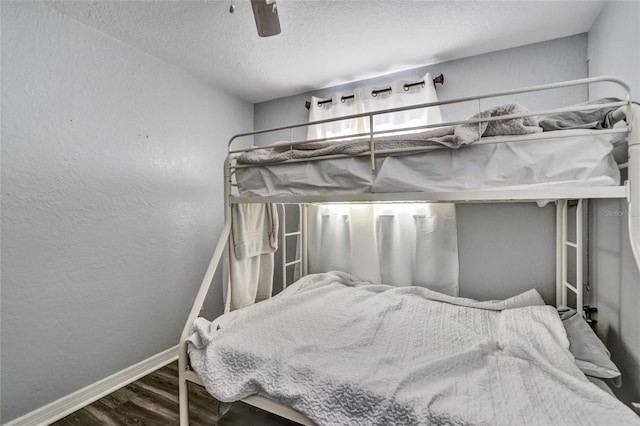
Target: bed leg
183, 386
223, 408
184, 404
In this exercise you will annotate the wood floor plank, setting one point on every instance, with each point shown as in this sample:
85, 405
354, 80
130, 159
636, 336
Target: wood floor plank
168, 376
83, 418
131, 413
172, 367
121, 395
102, 413
170, 413
153, 401
158, 387
64, 422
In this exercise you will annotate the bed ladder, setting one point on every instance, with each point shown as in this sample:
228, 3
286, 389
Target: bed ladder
300, 235
562, 246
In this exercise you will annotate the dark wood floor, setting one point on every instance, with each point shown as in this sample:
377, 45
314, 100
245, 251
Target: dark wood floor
153, 401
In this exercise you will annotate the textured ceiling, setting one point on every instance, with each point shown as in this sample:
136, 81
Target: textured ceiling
328, 42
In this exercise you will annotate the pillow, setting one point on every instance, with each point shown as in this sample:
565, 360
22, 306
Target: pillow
592, 356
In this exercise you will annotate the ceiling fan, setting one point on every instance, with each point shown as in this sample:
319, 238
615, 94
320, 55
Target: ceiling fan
265, 13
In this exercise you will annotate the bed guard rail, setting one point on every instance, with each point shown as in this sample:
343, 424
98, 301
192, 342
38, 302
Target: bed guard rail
624, 106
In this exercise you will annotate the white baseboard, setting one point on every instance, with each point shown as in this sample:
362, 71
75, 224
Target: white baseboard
85, 396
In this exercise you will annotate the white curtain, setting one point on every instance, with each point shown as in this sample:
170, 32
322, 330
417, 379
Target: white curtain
395, 244
364, 101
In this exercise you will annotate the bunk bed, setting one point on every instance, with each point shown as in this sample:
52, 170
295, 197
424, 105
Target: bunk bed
563, 165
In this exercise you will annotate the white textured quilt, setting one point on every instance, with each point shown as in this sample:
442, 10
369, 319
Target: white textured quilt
345, 352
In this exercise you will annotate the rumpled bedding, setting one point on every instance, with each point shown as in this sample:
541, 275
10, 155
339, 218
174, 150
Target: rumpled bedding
445, 137
346, 352
597, 118
452, 137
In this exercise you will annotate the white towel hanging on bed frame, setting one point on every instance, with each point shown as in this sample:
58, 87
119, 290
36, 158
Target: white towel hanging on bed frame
255, 239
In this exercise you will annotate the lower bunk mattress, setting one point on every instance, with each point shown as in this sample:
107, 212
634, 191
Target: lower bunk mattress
568, 158
346, 352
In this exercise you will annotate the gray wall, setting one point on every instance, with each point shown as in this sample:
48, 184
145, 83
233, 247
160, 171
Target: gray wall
111, 202
614, 48
504, 248
548, 62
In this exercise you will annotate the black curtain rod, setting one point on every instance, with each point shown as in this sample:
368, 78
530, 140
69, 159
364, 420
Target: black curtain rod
438, 80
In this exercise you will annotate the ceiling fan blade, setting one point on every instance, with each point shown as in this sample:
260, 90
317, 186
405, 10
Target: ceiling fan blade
266, 15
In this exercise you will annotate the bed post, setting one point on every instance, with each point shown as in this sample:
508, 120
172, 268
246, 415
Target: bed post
305, 240
183, 357
560, 205
633, 180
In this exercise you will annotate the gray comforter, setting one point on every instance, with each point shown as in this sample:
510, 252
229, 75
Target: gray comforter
597, 118
444, 137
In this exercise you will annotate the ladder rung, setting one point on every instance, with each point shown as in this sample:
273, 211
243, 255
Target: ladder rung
571, 244
293, 262
290, 234
570, 287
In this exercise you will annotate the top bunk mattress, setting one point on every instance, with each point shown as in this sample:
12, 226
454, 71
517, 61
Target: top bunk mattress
559, 158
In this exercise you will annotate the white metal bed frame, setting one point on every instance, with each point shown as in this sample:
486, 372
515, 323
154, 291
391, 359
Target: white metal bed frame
630, 191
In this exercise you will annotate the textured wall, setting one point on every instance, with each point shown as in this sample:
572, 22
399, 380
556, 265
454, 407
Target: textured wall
503, 248
614, 48
547, 62
111, 202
